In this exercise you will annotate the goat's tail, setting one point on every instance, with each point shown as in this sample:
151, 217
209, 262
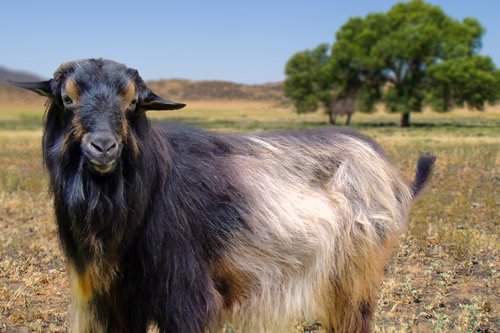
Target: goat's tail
424, 173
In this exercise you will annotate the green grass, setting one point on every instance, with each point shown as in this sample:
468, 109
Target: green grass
443, 277
244, 126
21, 119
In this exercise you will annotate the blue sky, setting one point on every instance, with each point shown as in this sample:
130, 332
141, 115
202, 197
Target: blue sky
241, 41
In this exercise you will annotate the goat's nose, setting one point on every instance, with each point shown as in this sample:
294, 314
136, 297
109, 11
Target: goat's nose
103, 144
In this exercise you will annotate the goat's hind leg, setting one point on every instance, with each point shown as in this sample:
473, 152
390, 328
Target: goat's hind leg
347, 315
352, 320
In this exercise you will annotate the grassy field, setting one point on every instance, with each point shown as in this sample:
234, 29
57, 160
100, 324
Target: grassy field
443, 277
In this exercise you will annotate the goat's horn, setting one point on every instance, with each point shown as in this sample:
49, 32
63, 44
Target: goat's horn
155, 102
43, 88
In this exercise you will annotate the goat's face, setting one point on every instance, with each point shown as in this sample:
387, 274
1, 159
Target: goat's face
98, 101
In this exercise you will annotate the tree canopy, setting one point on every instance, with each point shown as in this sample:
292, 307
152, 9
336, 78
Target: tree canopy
308, 83
412, 56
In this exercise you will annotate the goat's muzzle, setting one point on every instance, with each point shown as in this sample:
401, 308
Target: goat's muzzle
101, 151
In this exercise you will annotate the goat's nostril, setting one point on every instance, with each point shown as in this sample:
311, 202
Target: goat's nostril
97, 147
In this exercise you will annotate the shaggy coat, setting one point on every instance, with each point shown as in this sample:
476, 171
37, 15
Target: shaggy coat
185, 229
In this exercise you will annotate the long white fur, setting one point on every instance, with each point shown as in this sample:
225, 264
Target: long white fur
309, 235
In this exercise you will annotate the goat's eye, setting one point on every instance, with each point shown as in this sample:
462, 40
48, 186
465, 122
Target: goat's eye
133, 103
66, 99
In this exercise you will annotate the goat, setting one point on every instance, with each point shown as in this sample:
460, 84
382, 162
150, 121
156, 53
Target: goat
185, 229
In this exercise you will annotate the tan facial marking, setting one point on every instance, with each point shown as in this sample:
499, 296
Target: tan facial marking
133, 142
72, 89
123, 130
77, 128
128, 95
75, 131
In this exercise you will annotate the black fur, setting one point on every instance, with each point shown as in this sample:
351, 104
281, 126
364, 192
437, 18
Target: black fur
166, 212
424, 172
161, 222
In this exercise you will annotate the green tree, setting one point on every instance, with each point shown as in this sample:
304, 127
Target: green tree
412, 56
470, 81
308, 83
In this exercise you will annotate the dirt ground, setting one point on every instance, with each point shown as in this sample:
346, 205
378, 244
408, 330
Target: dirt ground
443, 277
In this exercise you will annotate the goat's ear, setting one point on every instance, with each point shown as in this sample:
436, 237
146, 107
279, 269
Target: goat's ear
155, 102
43, 88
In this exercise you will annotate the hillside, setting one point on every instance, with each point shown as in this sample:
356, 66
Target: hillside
6, 73
217, 90
176, 89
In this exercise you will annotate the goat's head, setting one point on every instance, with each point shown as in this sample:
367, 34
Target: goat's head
96, 101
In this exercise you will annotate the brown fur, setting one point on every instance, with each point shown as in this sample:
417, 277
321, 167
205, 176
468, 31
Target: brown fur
128, 96
72, 90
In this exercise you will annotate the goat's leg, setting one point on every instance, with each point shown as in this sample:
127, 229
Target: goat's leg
107, 313
350, 311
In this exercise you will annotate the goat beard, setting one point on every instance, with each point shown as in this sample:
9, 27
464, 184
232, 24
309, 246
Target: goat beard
96, 205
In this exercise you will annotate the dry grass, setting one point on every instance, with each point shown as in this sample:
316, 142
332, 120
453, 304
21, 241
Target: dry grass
33, 285
444, 276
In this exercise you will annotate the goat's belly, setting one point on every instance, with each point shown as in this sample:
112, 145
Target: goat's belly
268, 293
270, 283
280, 271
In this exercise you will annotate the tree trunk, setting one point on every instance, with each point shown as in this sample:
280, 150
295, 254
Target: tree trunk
405, 119
348, 120
332, 118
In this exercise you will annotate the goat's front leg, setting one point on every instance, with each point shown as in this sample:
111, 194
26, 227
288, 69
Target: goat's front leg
105, 312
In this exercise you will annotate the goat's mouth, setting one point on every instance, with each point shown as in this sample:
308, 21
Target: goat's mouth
102, 168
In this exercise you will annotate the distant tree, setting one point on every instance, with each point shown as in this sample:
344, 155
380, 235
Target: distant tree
308, 81
411, 56
312, 84
470, 81
343, 105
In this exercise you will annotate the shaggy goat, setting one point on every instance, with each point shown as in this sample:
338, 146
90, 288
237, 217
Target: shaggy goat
185, 229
